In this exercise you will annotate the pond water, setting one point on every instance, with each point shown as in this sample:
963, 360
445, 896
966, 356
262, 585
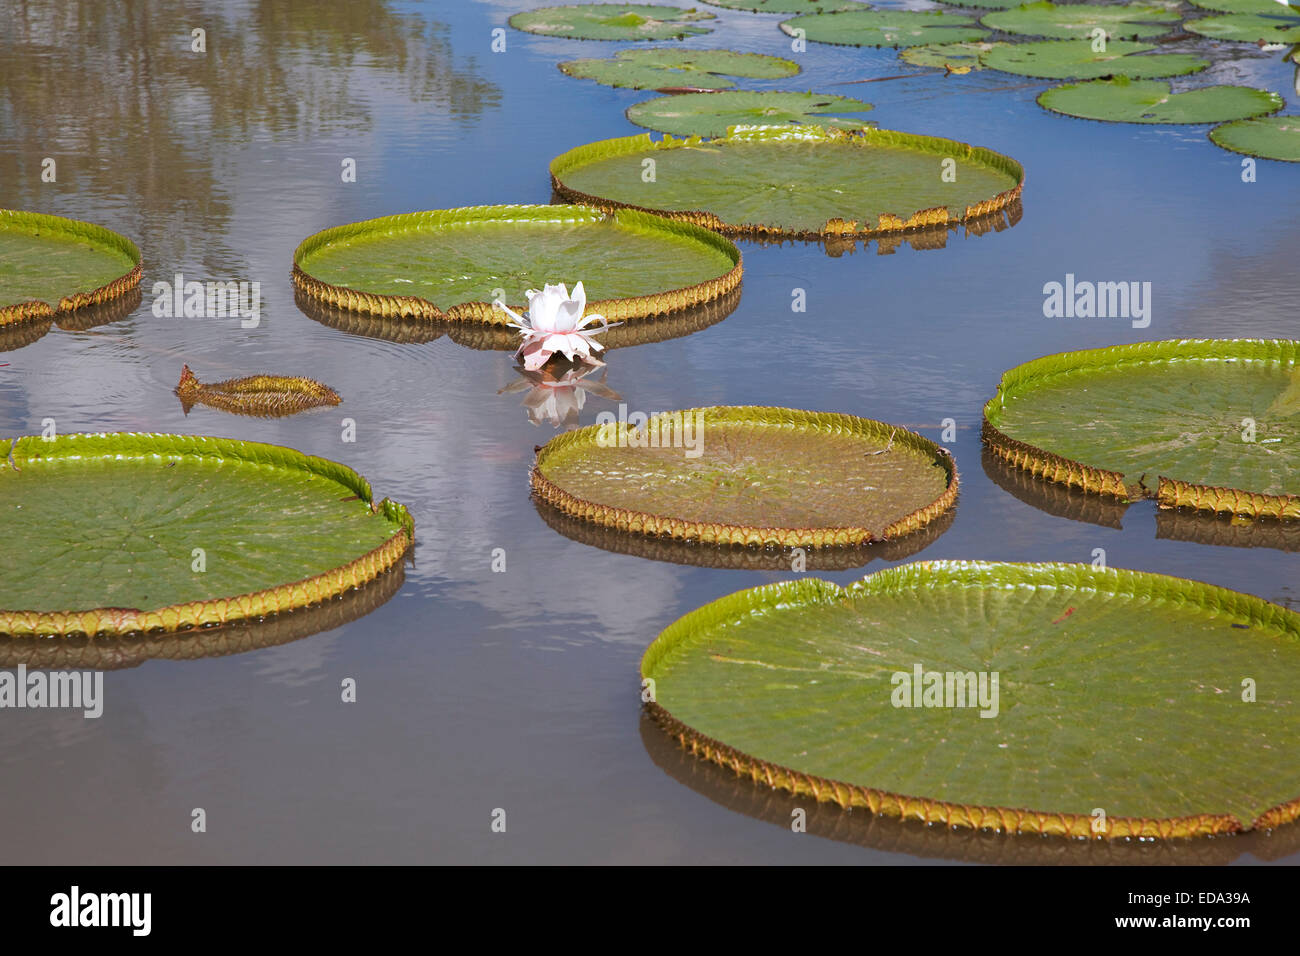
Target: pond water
519, 690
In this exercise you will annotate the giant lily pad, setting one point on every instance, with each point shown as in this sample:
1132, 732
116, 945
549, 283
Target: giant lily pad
985, 4
49, 264
124, 533
613, 21
17, 334
794, 182
896, 28
1260, 7
1076, 60
712, 114
1209, 424
450, 264
1273, 137
1122, 100
948, 54
664, 67
1251, 28
1078, 20
753, 476
880, 696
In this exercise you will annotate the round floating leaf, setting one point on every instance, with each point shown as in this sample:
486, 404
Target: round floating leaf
1075, 59
264, 396
1260, 7
1152, 101
712, 114
49, 264
1248, 28
1274, 137
1078, 20
881, 696
1207, 424
785, 181
450, 264
948, 54
985, 4
750, 476
896, 28
787, 6
101, 532
664, 67
614, 21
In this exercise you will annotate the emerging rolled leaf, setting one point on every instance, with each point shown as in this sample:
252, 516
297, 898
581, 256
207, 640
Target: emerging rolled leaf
448, 265
896, 28
712, 114
1272, 137
966, 694
265, 396
133, 533
1205, 424
613, 21
765, 477
1122, 100
49, 265
664, 67
807, 183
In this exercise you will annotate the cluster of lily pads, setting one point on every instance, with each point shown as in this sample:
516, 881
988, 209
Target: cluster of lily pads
815, 663
1109, 52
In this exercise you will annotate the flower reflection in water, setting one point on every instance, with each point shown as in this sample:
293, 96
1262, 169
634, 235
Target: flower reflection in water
556, 392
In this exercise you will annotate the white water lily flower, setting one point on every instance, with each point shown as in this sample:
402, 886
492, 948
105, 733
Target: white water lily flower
555, 323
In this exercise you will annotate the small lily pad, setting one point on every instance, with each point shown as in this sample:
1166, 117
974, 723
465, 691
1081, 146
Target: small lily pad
128, 533
772, 477
896, 28
614, 21
1273, 137
1122, 100
1260, 7
1208, 424
662, 67
49, 265
795, 182
263, 396
967, 694
712, 114
1078, 20
1249, 27
1076, 60
948, 54
985, 4
449, 265
788, 6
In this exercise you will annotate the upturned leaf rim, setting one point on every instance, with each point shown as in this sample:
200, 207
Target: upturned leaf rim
629, 309
249, 606
1245, 608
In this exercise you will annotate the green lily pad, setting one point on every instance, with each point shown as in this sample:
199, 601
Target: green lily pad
101, 532
1212, 425
1078, 20
1122, 100
794, 181
880, 696
1075, 59
50, 264
614, 21
451, 264
1260, 7
712, 114
948, 54
749, 476
662, 67
1273, 137
1249, 28
788, 6
985, 4
896, 28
